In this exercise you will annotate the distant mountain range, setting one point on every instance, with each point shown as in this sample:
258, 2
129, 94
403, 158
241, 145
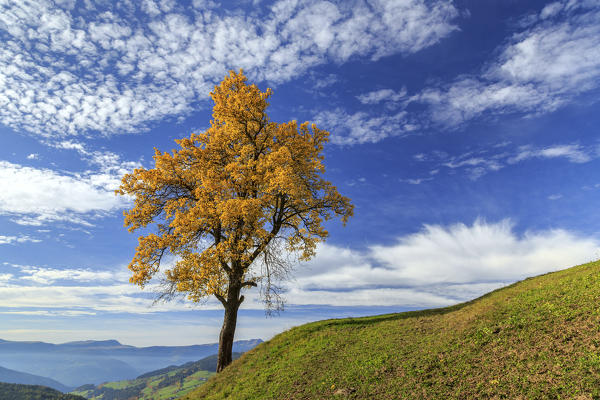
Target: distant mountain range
92, 362
11, 376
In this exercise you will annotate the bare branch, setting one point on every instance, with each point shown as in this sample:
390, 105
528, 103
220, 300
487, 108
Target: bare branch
276, 267
221, 299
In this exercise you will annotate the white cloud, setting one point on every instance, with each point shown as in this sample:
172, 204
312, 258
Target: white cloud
537, 70
482, 252
382, 95
46, 313
478, 163
573, 152
367, 127
369, 297
471, 162
33, 156
48, 276
77, 291
34, 196
551, 10
437, 266
360, 127
416, 181
555, 58
117, 68
109, 166
324, 81
74, 291
17, 239
107, 298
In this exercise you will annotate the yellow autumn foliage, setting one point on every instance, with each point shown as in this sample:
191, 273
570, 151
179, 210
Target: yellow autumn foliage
227, 193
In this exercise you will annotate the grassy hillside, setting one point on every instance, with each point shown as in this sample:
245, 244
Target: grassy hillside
15, 391
165, 383
538, 338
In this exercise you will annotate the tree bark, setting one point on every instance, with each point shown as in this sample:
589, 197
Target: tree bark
228, 330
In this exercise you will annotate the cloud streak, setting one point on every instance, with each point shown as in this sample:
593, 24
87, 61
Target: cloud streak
382, 95
17, 239
48, 276
573, 152
476, 164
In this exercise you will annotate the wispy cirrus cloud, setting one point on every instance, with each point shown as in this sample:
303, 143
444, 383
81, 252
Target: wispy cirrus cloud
114, 67
363, 127
120, 298
546, 65
573, 152
416, 181
477, 163
383, 95
107, 166
17, 239
552, 60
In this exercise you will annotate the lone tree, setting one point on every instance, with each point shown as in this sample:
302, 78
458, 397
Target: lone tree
230, 203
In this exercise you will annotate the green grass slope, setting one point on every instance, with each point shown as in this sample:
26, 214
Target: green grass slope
14, 391
535, 339
162, 384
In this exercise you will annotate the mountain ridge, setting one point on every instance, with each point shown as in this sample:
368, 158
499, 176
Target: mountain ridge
11, 345
83, 362
23, 378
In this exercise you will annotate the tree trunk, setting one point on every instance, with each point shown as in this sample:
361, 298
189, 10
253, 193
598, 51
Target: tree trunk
228, 329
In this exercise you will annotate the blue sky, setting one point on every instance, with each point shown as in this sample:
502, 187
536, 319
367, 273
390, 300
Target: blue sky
465, 133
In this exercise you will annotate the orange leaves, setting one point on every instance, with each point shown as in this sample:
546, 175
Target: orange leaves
226, 193
198, 275
144, 263
238, 104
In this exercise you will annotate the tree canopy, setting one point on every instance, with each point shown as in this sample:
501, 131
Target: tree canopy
227, 197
